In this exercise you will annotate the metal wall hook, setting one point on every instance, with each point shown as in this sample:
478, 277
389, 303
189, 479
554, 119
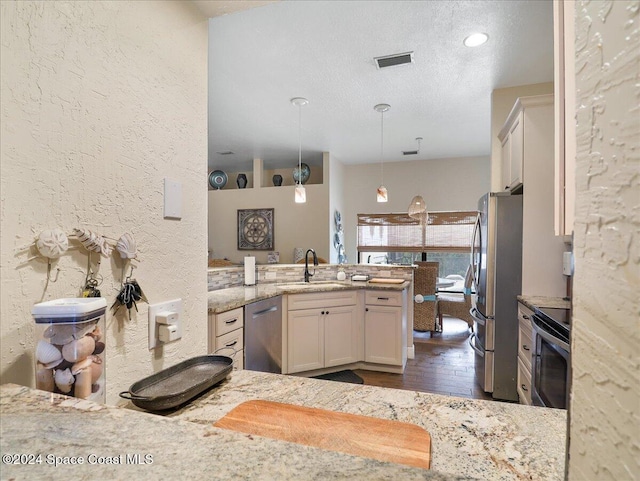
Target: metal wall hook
49, 273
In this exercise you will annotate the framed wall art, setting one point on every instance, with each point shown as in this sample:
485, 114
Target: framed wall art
255, 229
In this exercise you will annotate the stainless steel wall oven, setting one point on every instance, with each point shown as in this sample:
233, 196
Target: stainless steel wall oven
551, 366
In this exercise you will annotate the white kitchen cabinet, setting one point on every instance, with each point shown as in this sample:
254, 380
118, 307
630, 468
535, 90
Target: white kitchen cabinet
512, 141
564, 114
305, 340
530, 125
226, 335
322, 330
525, 351
384, 329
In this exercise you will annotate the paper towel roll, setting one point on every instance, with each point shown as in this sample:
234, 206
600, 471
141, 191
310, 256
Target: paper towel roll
249, 271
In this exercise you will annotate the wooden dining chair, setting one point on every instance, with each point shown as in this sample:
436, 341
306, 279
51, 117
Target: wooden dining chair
424, 295
457, 304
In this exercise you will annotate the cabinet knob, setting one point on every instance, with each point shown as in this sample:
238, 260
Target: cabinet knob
524, 316
506, 187
231, 321
327, 312
524, 388
322, 313
525, 347
231, 344
366, 309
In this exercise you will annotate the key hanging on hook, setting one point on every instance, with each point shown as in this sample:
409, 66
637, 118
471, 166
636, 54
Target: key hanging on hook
91, 282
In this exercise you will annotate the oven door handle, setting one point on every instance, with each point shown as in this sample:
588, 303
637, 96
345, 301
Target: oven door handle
548, 337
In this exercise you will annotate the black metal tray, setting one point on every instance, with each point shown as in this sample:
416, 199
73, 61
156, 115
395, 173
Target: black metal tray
178, 384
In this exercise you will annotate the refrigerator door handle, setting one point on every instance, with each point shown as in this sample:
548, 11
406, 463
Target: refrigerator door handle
476, 255
480, 319
479, 352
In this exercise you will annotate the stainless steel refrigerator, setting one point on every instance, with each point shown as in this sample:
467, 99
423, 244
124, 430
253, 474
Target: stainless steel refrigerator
497, 262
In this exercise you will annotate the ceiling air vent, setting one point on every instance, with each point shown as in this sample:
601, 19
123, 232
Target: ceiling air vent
413, 152
393, 60
225, 152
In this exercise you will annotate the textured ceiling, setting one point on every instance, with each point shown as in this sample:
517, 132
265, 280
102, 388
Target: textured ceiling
323, 50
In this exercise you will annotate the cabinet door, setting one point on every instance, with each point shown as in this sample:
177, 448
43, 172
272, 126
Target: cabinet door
516, 141
383, 335
340, 336
505, 163
524, 383
306, 340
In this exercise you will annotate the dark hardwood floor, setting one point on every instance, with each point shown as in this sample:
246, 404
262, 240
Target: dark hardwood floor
443, 364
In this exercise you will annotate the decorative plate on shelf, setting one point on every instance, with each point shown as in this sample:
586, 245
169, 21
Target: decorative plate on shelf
306, 172
217, 179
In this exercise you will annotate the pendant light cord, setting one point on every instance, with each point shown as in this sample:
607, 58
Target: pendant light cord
299, 144
381, 147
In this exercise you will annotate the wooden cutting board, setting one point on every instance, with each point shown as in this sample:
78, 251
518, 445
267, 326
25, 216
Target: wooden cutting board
369, 437
383, 280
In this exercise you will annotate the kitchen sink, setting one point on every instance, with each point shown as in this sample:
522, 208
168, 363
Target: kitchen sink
294, 286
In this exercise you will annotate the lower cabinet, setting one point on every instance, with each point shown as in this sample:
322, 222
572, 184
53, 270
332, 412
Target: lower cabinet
226, 335
525, 351
323, 336
384, 329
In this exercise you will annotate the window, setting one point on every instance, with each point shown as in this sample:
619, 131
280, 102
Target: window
399, 239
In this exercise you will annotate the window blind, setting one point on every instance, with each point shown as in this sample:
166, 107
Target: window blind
449, 231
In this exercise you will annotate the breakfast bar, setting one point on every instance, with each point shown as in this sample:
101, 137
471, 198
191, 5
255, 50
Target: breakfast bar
470, 439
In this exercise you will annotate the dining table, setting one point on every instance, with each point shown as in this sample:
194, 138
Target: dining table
443, 282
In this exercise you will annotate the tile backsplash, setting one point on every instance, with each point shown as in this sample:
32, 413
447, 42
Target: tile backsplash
223, 277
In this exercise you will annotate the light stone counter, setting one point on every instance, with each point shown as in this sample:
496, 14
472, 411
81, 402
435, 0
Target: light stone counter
223, 300
471, 439
543, 301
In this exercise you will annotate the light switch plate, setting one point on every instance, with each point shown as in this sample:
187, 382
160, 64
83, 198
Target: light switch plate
172, 199
155, 309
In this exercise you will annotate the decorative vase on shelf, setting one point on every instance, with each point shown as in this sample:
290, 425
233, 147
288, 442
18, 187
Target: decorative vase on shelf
302, 174
277, 180
241, 181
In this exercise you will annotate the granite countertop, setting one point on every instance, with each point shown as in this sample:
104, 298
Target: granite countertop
471, 439
223, 300
544, 301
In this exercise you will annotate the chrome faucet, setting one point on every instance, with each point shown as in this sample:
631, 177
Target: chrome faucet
307, 274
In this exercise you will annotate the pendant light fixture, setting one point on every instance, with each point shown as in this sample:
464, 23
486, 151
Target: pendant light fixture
381, 195
418, 208
300, 194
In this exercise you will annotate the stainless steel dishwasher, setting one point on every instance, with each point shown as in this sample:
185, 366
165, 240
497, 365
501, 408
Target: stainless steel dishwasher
263, 335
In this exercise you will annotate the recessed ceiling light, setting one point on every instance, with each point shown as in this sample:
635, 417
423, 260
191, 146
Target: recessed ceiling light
476, 39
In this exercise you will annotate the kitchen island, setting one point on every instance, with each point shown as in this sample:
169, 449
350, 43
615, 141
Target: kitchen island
471, 439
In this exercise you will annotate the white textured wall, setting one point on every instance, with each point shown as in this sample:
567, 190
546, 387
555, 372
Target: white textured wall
605, 403
100, 101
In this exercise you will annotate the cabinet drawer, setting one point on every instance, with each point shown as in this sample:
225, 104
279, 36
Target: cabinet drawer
231, 339
383, 298
229, 321
524, 383
524, 316
525, 345
317, 300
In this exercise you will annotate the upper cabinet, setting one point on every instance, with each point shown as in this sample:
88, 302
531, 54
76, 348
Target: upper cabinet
521, 126
529, 132
512, 141
564, 113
